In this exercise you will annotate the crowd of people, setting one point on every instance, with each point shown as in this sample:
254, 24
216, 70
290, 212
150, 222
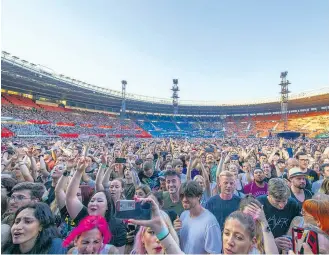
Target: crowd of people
72, 122
61, 196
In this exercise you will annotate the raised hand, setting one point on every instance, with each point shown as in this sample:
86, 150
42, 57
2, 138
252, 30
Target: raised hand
177, 224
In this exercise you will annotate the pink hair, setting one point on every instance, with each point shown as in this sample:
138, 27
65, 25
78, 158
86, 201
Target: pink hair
88, 223
139, 247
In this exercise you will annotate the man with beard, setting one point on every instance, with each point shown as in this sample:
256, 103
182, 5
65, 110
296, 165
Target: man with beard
226, 202
195, 218
258, 187
298, 184
171, 199
311, 175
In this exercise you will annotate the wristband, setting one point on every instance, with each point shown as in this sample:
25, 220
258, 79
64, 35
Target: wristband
104, 165
163, 233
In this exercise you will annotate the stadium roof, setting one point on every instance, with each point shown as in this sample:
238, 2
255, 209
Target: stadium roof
25, 77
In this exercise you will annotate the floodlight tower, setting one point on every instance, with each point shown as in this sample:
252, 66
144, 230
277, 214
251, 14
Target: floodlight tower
284, 98
123, 105
175, 96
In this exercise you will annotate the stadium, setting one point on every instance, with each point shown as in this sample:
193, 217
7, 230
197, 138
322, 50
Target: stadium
38, 102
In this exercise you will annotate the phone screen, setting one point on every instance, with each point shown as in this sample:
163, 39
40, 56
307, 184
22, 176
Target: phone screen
130, 209
120, 160
300, 236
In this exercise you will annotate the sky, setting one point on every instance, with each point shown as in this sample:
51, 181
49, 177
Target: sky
223, 51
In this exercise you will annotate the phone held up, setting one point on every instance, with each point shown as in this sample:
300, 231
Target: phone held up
300, 236
130, 209
120, 161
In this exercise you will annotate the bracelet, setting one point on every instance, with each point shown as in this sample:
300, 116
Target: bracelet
163, 234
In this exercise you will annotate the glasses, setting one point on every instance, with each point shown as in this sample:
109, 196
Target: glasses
18, 198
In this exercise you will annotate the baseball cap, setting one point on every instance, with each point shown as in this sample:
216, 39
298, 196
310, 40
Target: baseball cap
295, 171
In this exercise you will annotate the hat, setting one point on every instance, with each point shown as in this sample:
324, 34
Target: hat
295, 171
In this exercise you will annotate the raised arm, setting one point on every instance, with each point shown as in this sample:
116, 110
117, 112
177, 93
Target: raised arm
31, 154
60, 195
43, 168
106, 178
73, 204
223, 156
23, 168
100, 175
5, 162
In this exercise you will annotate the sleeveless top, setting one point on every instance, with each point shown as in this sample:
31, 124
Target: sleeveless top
105, 250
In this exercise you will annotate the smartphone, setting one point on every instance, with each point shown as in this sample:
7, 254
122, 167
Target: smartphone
297, 239
313, 241
130, 209
120, 160
131, 227
300, 236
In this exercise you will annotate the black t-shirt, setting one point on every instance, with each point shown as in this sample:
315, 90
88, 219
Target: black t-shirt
153, 181
308, 195
117, 227
279, 220
222, 208
312, 176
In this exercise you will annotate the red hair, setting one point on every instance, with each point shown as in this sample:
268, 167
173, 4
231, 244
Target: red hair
319, 210
89, 223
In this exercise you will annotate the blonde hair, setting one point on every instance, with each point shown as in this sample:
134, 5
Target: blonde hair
139, 247
226, 174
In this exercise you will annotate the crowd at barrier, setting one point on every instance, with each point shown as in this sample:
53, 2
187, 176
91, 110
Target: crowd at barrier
207, 196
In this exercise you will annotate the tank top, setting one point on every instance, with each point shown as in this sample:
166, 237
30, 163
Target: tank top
105, 250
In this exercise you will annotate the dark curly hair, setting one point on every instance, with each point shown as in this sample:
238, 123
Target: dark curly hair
49, 231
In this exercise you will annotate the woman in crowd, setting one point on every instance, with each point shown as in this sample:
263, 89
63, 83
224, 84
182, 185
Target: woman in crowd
117, 189
146, 242
91, 236
130, 183
314, 212
325, 187
101, 204
142, 191
34, 232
